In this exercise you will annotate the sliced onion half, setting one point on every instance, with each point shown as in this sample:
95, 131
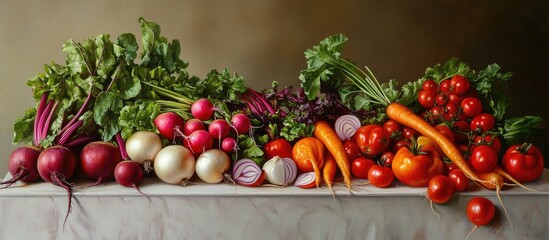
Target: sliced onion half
246, 172
346, 126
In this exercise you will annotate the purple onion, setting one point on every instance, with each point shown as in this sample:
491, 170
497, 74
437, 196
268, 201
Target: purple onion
346, 126
246, 172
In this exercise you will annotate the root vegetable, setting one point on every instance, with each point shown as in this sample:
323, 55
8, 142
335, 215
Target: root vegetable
212, 165
280, 171
98, 160
174, 164
129, 174
167, 124
23, 165
143, 146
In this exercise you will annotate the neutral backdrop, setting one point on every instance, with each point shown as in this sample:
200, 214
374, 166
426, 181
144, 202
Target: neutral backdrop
264, 40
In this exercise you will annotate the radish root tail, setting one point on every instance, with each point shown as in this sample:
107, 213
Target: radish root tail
20, 175
60, 180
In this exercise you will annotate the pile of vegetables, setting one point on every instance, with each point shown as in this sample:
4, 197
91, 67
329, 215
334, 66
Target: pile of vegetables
116, 118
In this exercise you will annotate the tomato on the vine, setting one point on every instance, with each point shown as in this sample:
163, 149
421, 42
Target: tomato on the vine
409, 133
482, 123
487, 139
460, 84
279, 147
450, 111
440, 189
381, 176
386, 159
371, 140
414, 168
484, 158
471, 107
445, 86
393, 129
441, 99
480, 211
459, 179
360, 167
454, 99
523, 162
461, 129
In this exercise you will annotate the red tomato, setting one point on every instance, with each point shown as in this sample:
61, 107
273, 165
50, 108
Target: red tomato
482, 123
386, 158
371, 140
490, 140
351, 148
480, 211
393, 129
414, 169
523, 162
360, 167
400, 144
446, 131
441, 99
427, 98
409, 133
471, 107
380, 176
458, 178
429, 84
448, 167
460, 84
484, 158
279, 147
436, 114
440, 189
454, 99
461, 129
450, 111
445, 86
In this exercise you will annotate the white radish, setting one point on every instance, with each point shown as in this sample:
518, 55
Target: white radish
174, 164
212, 166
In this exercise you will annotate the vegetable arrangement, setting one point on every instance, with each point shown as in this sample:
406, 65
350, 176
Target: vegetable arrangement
447, 131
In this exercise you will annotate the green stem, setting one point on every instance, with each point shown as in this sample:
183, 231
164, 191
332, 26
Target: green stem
171, 94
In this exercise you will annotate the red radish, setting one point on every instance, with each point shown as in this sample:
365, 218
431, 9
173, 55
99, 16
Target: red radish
241, 123
219, 129
167, 123
129, 174
193, 125
55, 165
306, 180
229, 145
98, 160
202, 109
22, 165
246, 172
198, 142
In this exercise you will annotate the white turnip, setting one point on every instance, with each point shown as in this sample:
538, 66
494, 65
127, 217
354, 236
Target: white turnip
212, 166
142, 147
168, 124
55, 165
23, 165
98, 160
174, 164
202, 109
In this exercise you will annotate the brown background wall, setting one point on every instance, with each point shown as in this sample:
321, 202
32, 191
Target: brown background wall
265, 40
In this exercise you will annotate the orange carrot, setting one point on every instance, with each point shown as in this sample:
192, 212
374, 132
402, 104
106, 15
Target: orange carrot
325, 133
493, 180
308, 155
329, 170
405, 116
506, 175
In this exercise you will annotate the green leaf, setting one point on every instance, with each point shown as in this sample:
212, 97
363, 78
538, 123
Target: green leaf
293, 130
409, 93
447, 70
105, 57
521, 129
248, 148
23, 128
138, 116
126, 47
106, 112
491, 84
128, 87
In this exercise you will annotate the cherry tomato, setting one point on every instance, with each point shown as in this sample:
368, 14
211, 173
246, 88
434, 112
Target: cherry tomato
436, 114
448, 167
351, 148
488, 139
441, 99
460, 84
450, 111
480, 211
393, 129
484, 158
381, 176
446, 131
461, 129
371, 140
400, 144
482, 123
440, 189
429, 84
523, 162
454, 99
427, 98
409, 133
386, 159
279, 147
471, 107
360, 167
458, 178
445, 86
